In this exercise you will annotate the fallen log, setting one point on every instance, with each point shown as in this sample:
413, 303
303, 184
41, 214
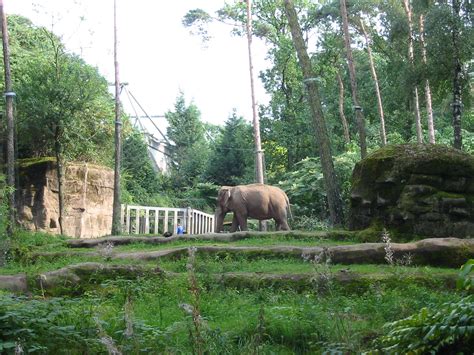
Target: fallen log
217, 237
447, 252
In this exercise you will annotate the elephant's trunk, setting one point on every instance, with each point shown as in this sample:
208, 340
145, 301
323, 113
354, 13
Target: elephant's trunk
219, 216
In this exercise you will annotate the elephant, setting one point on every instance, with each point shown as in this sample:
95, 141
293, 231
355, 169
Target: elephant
257, 201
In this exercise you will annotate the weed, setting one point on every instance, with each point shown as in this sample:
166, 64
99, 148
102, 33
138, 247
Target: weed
106, 250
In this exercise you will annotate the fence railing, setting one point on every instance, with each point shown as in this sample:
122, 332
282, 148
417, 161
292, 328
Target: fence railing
158, 220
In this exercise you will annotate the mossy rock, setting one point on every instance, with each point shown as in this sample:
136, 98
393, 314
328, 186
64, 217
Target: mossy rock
415, 189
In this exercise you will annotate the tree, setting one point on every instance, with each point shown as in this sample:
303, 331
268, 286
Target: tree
334, 198
383, 134
231, 161
429, 107
350, 63
116, 211
190, 150
59, 98
9, 94
259, 172
457, 72
411, 58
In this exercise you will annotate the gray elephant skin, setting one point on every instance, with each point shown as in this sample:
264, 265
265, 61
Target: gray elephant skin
256, 201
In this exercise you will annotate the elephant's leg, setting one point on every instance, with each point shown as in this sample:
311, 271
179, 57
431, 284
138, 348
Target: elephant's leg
235, 224
242, 220
282, 224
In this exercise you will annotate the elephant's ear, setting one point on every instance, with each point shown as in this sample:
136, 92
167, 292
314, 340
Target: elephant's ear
224, 195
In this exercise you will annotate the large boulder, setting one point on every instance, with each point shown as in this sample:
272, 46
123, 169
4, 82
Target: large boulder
425, 190
88, 198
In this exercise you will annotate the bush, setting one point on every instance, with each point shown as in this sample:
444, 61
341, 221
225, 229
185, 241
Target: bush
306, 189
445, 328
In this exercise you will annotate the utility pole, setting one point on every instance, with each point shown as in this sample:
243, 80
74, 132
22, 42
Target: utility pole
117, 208
256, 123
9, 95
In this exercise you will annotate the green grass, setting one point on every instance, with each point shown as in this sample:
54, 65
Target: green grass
237, 320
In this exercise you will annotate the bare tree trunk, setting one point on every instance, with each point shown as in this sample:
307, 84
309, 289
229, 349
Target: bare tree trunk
330, 179
60, 176
116, 213
352, 74
256, 122
411, 57
9, 95
259, 174
345, 126
457, 101
429, 107
383, 135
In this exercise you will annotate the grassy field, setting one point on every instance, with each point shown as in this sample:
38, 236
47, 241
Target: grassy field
193, 308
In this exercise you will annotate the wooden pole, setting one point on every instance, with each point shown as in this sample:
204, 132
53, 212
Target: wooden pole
9, 95
116, 222
259, 173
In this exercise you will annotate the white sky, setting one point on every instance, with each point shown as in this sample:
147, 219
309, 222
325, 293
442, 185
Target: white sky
158, 56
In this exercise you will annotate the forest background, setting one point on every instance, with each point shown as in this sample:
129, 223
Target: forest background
61, 101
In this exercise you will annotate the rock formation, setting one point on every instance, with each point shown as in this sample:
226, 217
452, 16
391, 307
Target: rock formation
88, 198
426, 190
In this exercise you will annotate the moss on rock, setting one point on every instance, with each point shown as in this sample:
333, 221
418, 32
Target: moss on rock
415, 189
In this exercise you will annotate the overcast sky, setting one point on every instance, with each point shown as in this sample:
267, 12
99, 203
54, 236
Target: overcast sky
158, 56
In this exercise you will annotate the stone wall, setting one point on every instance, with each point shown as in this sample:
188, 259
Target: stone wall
88, 199
426, 190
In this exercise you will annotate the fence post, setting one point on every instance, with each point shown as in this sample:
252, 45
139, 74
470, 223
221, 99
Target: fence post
188, 220
127, 222
157, 212
147, 221
137, 220
165, 228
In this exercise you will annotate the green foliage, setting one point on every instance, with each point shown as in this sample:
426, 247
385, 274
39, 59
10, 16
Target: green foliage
440, 328
466, 277
202, 196
141, 184
446, 328
42, 325
4, 240
24, 243
190, 150
60, 99
232, 158
305, 185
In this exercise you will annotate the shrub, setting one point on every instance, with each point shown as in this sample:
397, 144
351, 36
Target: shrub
445, 328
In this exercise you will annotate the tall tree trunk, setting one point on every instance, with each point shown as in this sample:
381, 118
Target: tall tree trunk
383, 134
9, 95
256, 122
411, 57
117, 208
330, 179
60, 175
429, 107
259, 174
457, 100
352, 74
345, 126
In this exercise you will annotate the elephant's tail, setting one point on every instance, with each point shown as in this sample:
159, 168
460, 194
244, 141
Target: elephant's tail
289, 208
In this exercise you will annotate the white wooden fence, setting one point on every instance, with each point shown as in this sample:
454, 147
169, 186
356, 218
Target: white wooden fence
158, 220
